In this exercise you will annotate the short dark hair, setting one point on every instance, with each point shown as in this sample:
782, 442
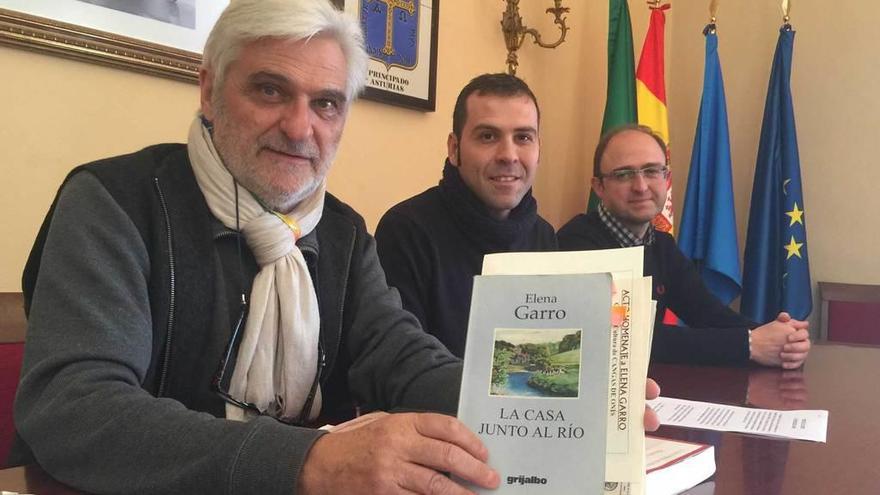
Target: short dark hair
499, 84
608, 136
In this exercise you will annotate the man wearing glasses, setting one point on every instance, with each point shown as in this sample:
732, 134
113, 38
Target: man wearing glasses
629, 177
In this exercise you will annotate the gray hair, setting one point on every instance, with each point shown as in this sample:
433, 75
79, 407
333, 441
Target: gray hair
245, 21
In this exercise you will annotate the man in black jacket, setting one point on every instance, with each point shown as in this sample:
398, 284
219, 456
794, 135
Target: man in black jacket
629, 176
433, 244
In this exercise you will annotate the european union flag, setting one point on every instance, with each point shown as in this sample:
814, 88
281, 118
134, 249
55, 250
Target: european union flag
708, 226
777, 273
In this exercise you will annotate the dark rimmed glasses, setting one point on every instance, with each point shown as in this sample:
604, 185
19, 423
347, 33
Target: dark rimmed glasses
220, 383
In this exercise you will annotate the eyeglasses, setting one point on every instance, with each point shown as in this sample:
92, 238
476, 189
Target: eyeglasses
629, 174
220, 383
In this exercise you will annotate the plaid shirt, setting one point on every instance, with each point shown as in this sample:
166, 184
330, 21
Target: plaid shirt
623, 235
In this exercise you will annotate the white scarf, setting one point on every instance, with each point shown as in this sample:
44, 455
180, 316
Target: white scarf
278, 356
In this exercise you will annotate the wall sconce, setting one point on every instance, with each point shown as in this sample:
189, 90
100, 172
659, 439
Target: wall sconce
515, 31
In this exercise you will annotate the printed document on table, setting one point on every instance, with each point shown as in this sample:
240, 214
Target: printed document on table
800, 425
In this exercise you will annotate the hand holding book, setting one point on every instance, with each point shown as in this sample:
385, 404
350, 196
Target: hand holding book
652, 391
396, 453
349, 428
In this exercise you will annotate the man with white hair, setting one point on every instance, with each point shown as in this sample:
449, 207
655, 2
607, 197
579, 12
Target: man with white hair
194, 308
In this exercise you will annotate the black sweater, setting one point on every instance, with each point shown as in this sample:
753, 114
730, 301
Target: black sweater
715, 334
431, 254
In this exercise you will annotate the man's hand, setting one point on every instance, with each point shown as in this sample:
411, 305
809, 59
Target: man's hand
355, 423
397, 453
795, 351
783, 342
652, 391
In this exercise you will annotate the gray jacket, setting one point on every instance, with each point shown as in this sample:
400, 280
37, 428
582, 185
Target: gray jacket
128, 317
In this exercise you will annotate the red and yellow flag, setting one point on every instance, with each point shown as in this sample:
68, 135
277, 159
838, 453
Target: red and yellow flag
651, 103
651, 97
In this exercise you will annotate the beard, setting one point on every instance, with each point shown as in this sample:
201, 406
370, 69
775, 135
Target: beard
278, 186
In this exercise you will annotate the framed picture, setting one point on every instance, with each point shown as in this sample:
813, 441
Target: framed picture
159, 37
401, 39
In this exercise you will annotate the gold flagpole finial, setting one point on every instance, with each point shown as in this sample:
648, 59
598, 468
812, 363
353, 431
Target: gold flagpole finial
658, 4
786, 8
713, 10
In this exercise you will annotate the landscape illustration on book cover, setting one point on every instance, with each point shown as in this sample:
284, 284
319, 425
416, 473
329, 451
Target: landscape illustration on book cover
536, 363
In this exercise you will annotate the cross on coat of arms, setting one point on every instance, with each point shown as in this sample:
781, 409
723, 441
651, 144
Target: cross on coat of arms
391, 31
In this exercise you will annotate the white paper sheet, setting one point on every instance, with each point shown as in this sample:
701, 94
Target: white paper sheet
800, 425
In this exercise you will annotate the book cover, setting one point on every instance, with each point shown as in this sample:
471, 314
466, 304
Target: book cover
535, 380
631, 326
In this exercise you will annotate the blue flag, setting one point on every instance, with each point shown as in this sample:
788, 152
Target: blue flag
777, 273
708, 225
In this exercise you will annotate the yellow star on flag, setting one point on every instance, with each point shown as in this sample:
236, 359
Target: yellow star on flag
797, 215
793, 248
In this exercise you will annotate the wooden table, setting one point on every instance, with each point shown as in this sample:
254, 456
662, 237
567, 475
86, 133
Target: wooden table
32, 479
838, 378
841, 379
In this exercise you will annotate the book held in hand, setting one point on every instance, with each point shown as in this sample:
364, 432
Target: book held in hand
630, 342
535, 380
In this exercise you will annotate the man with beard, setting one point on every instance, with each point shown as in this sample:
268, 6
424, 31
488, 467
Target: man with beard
629, 177
433, 244
194, 309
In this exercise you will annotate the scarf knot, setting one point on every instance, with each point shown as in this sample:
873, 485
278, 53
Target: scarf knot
269, 239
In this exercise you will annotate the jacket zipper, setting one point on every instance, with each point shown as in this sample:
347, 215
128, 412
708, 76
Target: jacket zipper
335, 352
170, 327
